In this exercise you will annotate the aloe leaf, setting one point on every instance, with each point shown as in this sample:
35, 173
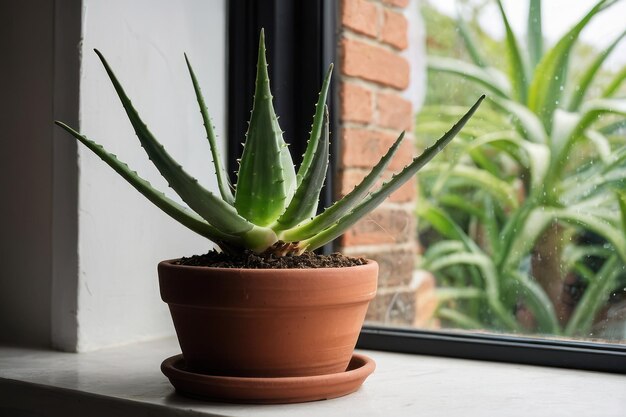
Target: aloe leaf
220, 172
577, 94
615, 83
470, 43
539, 303
595, 296
304, 203
316, 128
551, 73
213, 209
177, 212
266, 177
396, 181
491, 78
519, 72
592, 222
530, 126
535, 32
471, 176
340, 207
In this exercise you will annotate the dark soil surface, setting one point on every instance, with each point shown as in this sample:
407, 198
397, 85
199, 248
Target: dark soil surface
257, 261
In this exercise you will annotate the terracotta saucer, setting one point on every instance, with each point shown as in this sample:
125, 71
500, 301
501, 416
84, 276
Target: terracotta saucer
267, 390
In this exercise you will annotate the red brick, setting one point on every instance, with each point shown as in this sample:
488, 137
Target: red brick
356, 103
364, 148
394, 112
395, 29
361, 16
397, 3
351, 177
395, 266
374, 63
381, 226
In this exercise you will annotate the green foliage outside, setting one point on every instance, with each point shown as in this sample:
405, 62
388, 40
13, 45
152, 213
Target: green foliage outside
524, 217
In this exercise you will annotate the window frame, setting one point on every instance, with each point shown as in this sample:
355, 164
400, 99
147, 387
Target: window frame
311, 26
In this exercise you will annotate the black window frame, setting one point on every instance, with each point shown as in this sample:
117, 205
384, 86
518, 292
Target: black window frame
302, 41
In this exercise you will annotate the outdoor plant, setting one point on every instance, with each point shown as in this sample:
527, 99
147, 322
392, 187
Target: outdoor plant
527, 212
272, 208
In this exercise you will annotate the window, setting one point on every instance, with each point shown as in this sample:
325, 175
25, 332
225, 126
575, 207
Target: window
522, 220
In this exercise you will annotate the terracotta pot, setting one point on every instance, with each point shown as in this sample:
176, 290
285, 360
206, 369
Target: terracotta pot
267, 322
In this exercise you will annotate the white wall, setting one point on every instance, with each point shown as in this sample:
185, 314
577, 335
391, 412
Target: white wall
121, 235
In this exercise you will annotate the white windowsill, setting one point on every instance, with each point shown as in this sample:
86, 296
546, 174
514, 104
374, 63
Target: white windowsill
127, 381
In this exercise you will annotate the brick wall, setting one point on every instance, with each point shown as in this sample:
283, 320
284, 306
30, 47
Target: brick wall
373, 112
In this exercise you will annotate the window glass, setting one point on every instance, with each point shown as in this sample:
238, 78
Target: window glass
522, 219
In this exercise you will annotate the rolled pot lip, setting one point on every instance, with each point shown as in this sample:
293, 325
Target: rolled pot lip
169, 263
278, 288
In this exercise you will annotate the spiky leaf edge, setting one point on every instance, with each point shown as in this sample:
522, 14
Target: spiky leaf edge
220, 171
396, 181
213, 209
170, 207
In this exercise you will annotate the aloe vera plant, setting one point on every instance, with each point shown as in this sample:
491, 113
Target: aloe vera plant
535, 172
273, 206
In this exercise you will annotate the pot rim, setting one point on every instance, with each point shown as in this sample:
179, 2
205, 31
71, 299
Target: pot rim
169, 263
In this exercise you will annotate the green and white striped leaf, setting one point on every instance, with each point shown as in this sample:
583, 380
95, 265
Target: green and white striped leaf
445, 225
535, 32
577, 94
613, 128
615, 83
213, 209
220, 172
595, 296
545, 92
537, 155
539, 303
460, 320
266, 177
519, 72
621, 199
590, 221
601, 143
529, 125
470, 43
490, 78
488, 273
476, 177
